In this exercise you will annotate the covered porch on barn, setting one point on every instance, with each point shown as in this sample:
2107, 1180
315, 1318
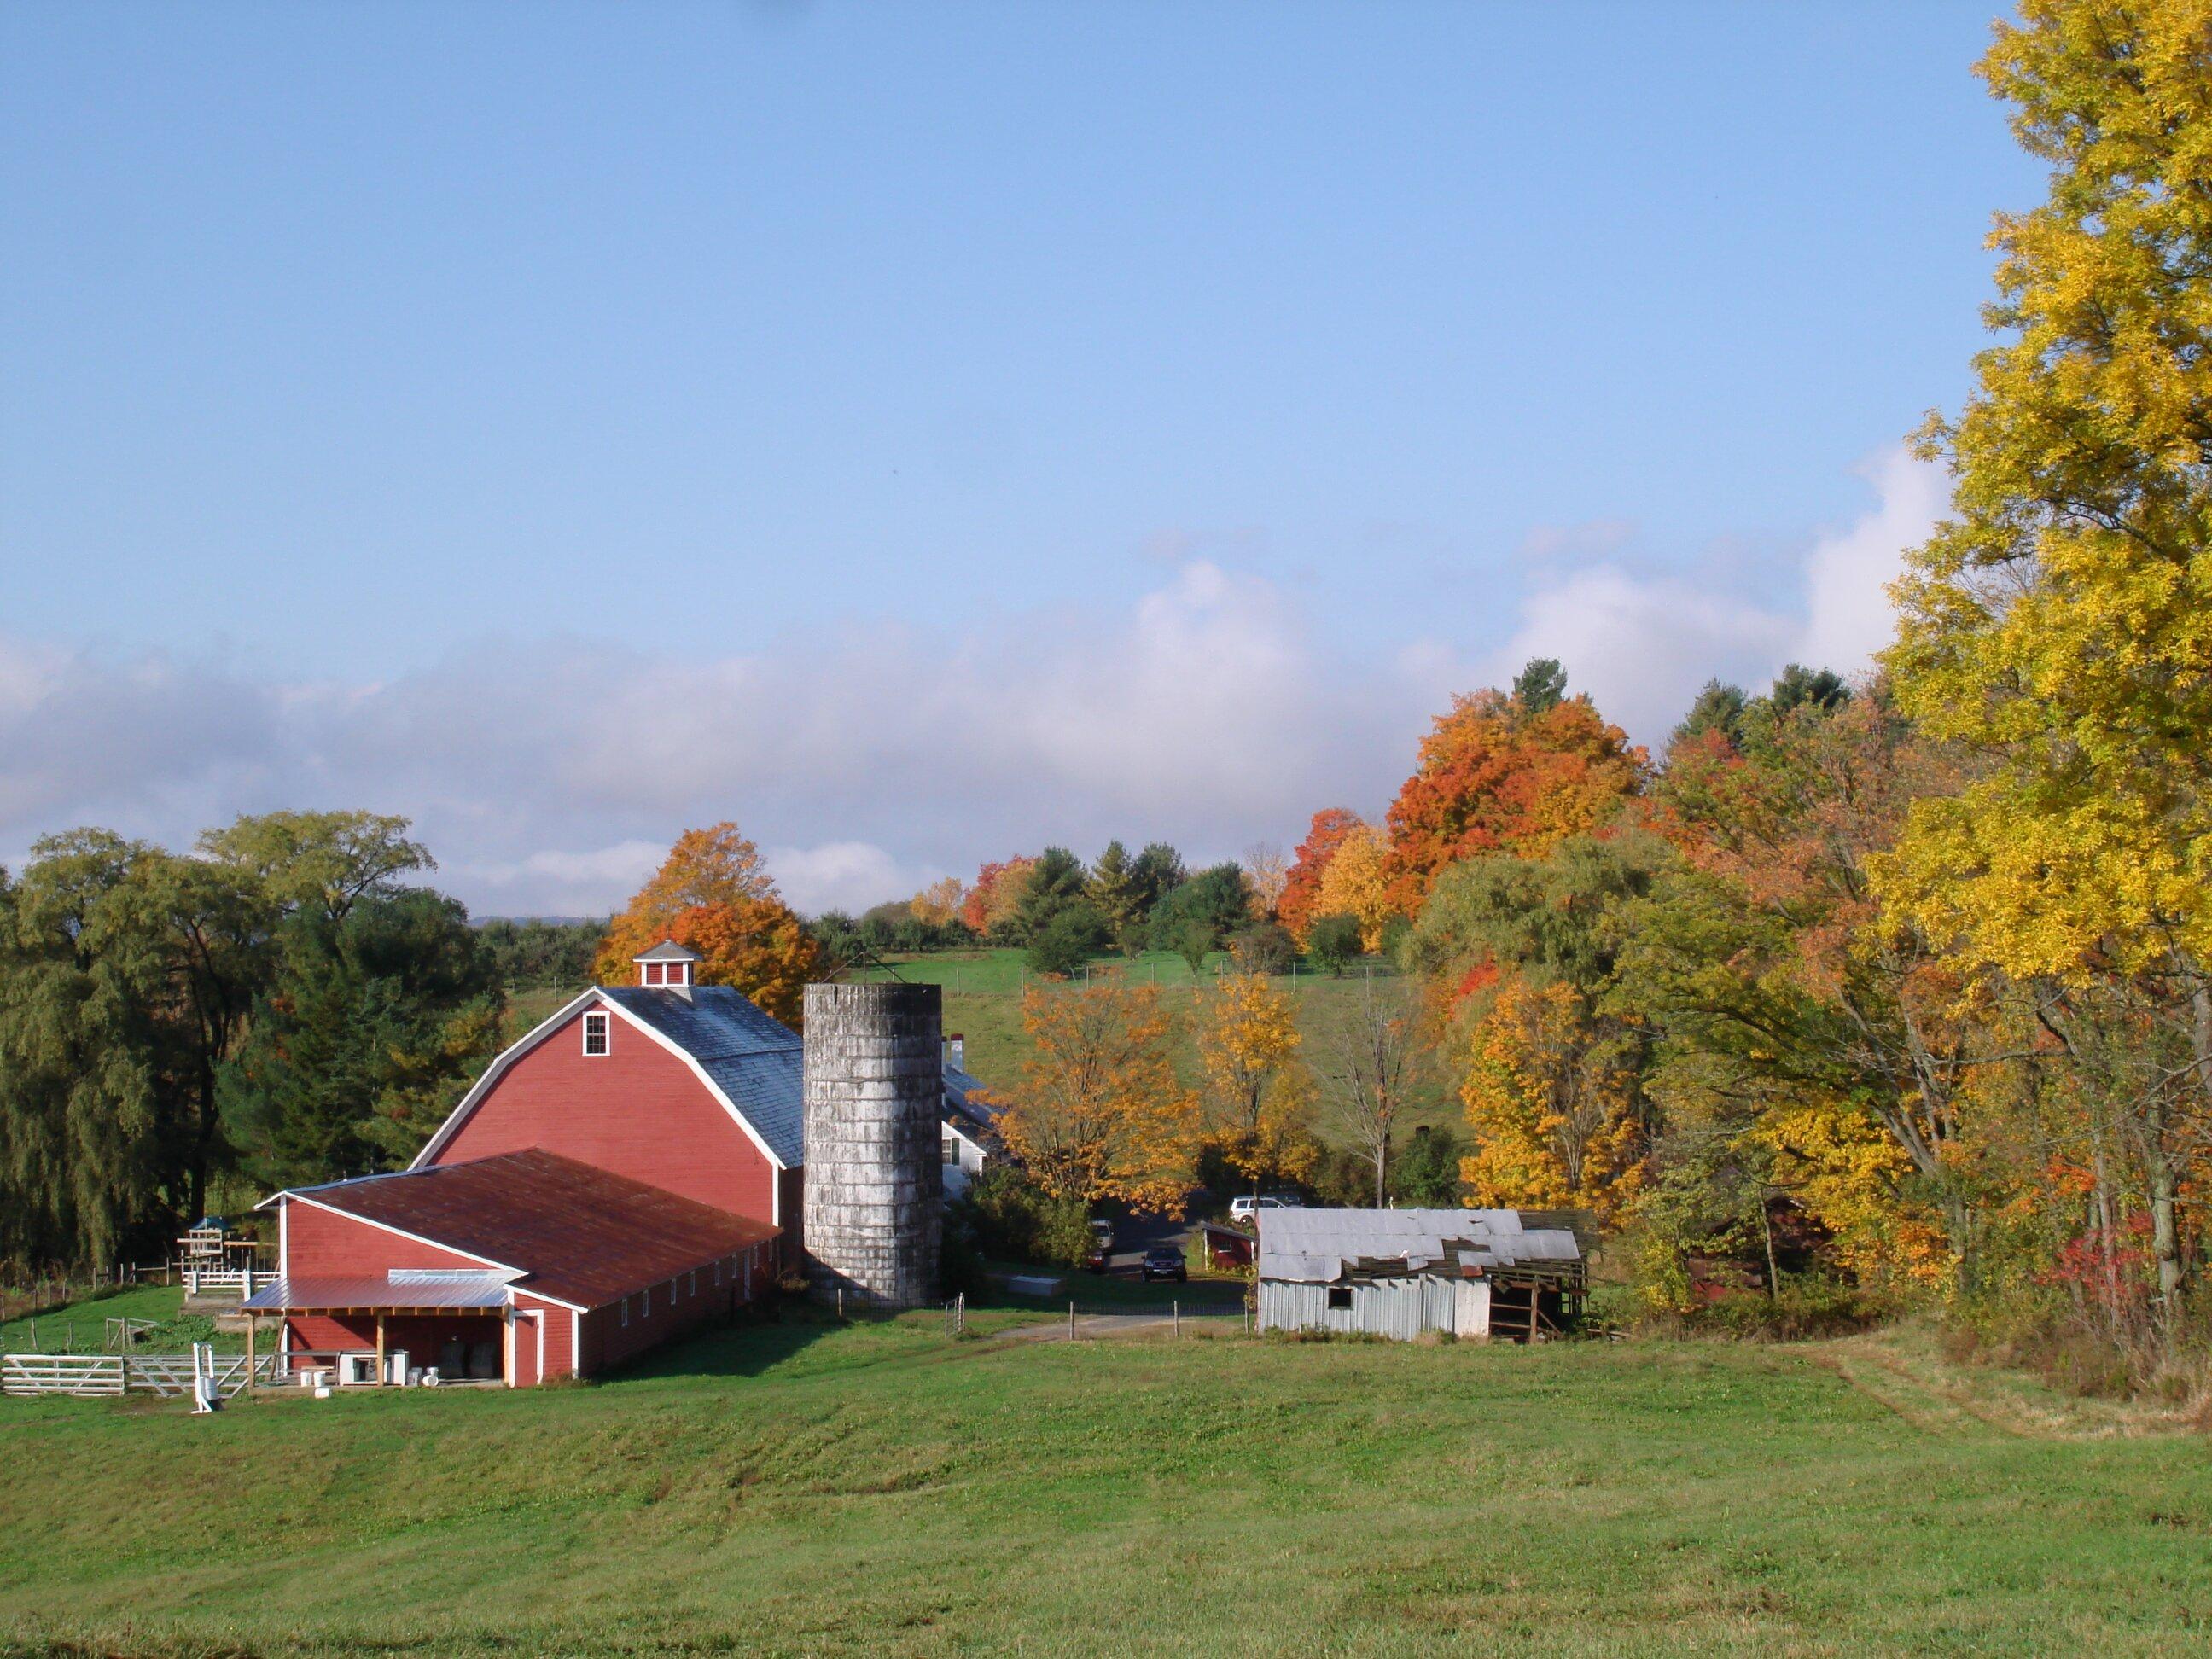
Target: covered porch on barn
403, 1327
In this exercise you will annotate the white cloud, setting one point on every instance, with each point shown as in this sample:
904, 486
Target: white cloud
1641, 645
842, 875
550, 777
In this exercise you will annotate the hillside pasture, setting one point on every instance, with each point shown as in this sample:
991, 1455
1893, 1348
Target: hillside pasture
808, 1487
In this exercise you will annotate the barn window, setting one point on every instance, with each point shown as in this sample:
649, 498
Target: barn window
645, 1303
718, 1270
1340, 1298
625, 1313
672, 1290
691, 1286
596, 1034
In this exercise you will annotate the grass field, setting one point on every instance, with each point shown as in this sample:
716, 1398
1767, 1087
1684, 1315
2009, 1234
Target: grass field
805, 1488
80, 1326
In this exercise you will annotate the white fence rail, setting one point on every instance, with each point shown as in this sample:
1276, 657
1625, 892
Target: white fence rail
245, 1281
169, 1375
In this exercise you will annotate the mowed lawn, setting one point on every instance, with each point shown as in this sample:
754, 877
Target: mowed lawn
800, 1488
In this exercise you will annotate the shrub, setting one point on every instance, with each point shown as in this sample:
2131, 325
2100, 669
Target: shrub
1074, 936
1333, 941
1005, 1214
1264, 947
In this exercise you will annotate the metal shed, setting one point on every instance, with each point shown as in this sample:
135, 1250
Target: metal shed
1399, 1273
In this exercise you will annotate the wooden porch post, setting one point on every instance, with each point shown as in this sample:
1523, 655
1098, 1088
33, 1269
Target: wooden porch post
252, 1323
379, 1350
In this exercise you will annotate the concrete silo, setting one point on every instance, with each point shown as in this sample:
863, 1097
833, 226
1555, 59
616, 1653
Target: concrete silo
874, 1096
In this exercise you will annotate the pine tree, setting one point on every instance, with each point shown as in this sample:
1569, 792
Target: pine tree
1113, 891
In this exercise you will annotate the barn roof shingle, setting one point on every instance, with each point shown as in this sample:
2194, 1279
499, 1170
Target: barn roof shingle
577, 1234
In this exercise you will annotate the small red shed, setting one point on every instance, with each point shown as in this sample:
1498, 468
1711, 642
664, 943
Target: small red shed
523, 1266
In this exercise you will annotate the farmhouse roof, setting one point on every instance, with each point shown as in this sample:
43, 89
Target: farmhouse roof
574, 1233
668, 951
1322, 1246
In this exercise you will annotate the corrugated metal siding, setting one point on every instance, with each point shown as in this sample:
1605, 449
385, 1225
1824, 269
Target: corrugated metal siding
1397, 1308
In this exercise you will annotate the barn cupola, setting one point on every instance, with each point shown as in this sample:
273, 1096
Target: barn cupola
667, 967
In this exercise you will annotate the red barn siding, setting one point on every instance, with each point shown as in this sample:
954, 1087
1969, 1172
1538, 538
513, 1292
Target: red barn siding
421, 1337
637, 1110
319, 1241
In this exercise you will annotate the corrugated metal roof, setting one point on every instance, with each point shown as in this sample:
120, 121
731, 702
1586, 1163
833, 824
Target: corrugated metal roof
392, 1289
752, 1058
1314, 1246
577, 1234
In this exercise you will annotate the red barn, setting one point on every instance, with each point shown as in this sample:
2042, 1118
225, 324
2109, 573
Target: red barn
515, 1267
633, 1165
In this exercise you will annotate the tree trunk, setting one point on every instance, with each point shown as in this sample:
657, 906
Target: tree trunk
1381, 1163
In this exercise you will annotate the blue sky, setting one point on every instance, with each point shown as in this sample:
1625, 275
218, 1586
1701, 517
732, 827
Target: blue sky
918, 432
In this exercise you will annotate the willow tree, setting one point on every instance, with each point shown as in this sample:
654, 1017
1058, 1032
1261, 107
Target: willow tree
2060, 622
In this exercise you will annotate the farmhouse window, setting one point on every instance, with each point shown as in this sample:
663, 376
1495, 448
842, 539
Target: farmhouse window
597, 1034
1340, 1298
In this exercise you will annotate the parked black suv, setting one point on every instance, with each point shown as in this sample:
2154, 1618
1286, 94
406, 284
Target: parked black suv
1165, 1261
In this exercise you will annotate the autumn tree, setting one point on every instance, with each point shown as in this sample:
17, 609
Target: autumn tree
2060, 621
1771, 976
1266, 871
1296, 907
713, 894
989, 907
940, 902
1100, 1114
1356, 882
1258, 1091
1550, 1100
1493, 776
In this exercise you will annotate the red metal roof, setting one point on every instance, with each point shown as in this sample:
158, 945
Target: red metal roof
578, 1234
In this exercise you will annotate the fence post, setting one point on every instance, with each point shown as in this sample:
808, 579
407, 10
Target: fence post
1176, 1309
1070, 1321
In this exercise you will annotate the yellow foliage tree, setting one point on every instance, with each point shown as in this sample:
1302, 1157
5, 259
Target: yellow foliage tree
1258, 1090
940, 902
1550, 1103
1357, 884
713, 894
1101, 1113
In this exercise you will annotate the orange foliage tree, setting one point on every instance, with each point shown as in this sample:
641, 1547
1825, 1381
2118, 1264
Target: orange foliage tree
1357, 884
1494, 777
1295, 906
1101, 1113
995, 893
713, 894
1259, 1093
1551, 1100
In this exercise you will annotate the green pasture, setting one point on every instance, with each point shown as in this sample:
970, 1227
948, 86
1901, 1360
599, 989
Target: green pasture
805, 1487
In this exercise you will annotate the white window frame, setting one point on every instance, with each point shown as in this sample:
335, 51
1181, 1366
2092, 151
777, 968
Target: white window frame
606, 1028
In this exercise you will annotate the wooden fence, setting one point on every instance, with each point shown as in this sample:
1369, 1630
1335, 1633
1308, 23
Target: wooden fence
169, 1375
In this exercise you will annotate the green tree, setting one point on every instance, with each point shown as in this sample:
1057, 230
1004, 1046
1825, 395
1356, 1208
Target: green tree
1333, 941
1067, 944
1055, 882
1217, 900
1157, 871
1117, 892
1540, 686
375, 1024
1719, 708
323, 861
